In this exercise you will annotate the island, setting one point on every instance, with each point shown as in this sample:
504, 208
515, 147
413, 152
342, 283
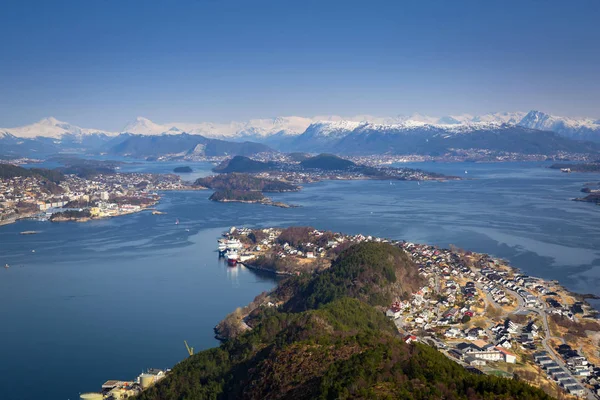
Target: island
591, 198
245, 188
581, 167
185, 169
243, 179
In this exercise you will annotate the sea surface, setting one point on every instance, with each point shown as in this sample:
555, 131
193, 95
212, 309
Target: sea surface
106, 299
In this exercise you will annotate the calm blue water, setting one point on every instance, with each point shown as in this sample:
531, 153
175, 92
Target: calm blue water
105, 299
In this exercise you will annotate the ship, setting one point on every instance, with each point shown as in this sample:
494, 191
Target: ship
222, 247
232, 257
234, 244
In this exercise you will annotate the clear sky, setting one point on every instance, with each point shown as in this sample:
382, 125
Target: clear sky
101, 63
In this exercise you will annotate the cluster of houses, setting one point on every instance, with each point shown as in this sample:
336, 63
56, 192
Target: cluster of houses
307, 250
497, 283
561, 375
478, 353
35, 193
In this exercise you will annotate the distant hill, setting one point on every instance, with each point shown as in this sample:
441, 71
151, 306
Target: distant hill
184, 144
8, 171
243, 164
336, 346
327, 162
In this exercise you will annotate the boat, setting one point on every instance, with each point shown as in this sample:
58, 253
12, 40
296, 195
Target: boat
177, 221
6, 266
232, 257
234, 244
566, 170
29, 232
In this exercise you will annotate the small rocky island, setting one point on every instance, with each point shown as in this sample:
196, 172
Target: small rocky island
184, 170
593, 193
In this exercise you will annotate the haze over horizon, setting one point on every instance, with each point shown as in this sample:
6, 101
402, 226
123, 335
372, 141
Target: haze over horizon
101, 64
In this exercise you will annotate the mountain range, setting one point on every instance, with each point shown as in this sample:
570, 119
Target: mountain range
532, 132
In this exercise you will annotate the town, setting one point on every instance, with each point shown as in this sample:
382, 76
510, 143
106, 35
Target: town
103, 195
475, 309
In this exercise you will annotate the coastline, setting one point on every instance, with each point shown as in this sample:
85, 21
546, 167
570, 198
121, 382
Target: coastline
262, 269
263, 202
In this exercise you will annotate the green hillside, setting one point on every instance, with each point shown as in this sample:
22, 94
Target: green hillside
339, 347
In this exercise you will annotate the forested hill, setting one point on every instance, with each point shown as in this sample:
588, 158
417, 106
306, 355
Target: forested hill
8, 171
327, 162
243, 164
338, 347
244, 182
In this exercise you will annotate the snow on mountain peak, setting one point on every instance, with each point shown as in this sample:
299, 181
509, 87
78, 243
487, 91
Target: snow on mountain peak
52, 128
328, 125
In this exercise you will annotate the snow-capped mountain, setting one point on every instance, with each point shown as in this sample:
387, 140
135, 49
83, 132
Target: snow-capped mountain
256, 128
52, 128
582, 129
320, 133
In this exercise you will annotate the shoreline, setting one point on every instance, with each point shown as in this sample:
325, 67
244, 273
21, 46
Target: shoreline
262, 269
263, 202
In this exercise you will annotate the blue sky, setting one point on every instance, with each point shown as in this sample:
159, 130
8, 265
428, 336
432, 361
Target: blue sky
101, 63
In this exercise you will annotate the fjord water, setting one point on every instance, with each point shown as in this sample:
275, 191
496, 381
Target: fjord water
105, 299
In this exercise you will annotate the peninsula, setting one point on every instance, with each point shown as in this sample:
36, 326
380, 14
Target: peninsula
368, 317
475, 309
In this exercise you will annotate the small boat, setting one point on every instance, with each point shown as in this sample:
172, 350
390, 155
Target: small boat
466, 172
33, 251
6, 266
177, 221
187, 230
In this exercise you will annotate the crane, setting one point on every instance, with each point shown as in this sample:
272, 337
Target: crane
190, 350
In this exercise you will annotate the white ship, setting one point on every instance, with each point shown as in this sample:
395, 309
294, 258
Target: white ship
234, 244
232, 257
